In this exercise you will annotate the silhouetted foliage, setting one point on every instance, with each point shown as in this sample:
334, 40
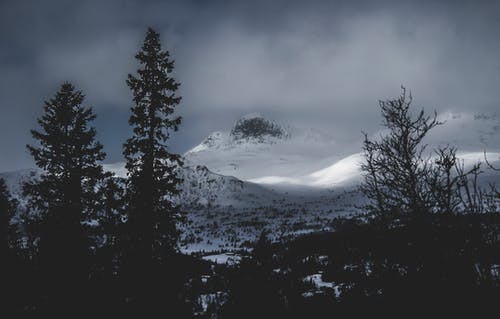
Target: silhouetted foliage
7, 209
64, 198
402, 180
151, 167
111, 219
151, 232
396, 168
254, 290
15, 274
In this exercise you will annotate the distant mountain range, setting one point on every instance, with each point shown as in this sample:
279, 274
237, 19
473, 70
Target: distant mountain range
272, 154
264, 175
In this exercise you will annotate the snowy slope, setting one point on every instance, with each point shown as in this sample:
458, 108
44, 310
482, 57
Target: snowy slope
311, 158
347, 171
202, 189
265, 150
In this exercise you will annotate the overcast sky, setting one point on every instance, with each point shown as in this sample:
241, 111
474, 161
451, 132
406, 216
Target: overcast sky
306, 63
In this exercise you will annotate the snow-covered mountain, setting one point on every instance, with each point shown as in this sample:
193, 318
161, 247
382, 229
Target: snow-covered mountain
200, 187
258, 154
262, 151
256, 147
264, 175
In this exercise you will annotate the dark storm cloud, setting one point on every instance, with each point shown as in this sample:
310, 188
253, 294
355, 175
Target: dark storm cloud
321, 63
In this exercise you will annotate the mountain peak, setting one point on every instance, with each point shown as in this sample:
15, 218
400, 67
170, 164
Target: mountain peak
254, 125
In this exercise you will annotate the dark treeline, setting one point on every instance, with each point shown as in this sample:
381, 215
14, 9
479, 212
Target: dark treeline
89, 242
433, 237
427, 245
86, 242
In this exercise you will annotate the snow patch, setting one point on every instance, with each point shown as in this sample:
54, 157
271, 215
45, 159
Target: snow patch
223, 258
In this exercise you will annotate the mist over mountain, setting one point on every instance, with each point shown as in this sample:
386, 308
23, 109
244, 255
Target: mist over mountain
256, 146
272, 149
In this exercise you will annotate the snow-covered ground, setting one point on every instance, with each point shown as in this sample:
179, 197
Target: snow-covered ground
223, 258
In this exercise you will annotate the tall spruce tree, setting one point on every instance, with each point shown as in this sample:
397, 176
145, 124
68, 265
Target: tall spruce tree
153, 217
64, 196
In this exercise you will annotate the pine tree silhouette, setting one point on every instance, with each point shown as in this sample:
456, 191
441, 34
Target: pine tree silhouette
64, 197
152, 180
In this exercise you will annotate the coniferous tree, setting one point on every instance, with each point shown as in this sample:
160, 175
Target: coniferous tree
111, 221
64, 196
13, 275
153, 181
7, 210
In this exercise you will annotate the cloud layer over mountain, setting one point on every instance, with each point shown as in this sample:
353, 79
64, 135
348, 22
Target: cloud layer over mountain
311, 63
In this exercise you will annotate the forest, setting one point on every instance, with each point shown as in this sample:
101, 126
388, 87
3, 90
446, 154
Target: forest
89, 243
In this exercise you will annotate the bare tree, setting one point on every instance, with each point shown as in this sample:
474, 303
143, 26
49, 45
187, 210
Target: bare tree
443, 181
396, 169
400, 179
